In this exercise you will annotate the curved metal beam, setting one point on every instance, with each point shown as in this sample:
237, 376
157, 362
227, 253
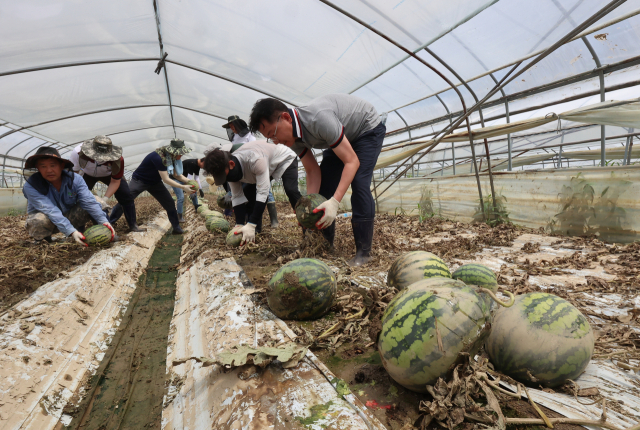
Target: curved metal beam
421, 60
103, 111
163, 56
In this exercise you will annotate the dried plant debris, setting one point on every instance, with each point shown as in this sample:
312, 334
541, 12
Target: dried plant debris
349, 332
25, 264
288, 354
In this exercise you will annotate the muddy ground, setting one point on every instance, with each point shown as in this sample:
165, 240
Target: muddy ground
25, 265
348, 346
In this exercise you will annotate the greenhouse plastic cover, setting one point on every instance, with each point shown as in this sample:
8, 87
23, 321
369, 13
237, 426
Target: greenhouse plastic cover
74, 69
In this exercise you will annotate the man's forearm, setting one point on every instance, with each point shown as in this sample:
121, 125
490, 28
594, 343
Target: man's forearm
112, 188
348, 173
314, 178
181, 178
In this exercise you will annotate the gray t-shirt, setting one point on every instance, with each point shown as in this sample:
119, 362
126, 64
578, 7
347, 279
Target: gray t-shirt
323, 122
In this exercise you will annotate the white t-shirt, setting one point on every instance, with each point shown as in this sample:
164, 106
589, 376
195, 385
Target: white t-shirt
249, 137
91, 168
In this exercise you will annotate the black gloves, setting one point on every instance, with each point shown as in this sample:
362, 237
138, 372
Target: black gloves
201, 193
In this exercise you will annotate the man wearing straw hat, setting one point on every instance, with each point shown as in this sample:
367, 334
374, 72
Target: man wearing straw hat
58, 200
152, 174
98, 159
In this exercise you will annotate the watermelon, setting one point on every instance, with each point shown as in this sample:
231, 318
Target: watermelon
428, 310
208, 212
477, 274
194, 184
97, 235
216, 224
303, 289
304, 210
201, 208
415, 266
541, 340
234, 240
222, 203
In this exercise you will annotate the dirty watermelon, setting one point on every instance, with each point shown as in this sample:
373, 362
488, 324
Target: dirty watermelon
476, 274
304, 210
302, 289
233, 239
222, 203
97, 235
208, 212
541, 340
426, 327
415, 266
216, 224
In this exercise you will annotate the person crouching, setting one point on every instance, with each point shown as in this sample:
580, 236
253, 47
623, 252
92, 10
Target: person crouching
59, 200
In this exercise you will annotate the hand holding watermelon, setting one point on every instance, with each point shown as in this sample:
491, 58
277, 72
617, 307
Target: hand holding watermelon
110, 227
79, 237
330, 208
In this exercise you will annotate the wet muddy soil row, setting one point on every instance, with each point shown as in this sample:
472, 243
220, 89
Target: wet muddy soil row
127, 390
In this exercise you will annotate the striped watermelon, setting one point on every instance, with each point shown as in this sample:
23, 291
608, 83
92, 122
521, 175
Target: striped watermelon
304, 210
476, 274
233, 240
217, 224
97, 235
194, 184
303, 289
222, 203
541, 340
201, 208
415, 266
426, 327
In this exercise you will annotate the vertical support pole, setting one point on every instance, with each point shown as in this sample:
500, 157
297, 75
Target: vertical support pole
453, 156
560, 157
630, 149
603, 150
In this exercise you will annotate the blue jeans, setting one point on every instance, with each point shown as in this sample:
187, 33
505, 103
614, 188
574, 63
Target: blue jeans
180, 195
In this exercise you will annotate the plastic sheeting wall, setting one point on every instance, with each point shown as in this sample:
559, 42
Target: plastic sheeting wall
12, 200
601, 201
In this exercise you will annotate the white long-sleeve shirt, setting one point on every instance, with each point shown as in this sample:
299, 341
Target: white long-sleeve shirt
260, 162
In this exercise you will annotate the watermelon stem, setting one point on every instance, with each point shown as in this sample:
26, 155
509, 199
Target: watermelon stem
508, 304
330, 330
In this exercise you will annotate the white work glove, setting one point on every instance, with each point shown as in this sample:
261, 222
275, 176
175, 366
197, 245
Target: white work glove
330, 208
248, 232
188, 189
79, 237
110, 227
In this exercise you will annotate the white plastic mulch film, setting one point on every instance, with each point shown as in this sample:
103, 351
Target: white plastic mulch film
71, 70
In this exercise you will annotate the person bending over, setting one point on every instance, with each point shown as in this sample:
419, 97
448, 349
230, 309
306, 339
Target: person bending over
98, 160
350, 133
254, 164
177, 169
151, 175
58, 200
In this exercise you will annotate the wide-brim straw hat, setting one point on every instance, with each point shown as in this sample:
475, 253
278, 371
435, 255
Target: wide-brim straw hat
46, 152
